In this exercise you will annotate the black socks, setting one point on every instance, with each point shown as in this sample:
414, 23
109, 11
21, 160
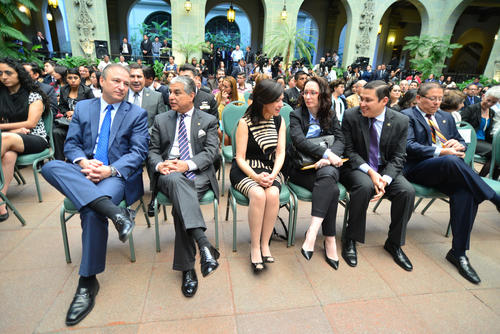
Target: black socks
199, 236
87, 281
105, 207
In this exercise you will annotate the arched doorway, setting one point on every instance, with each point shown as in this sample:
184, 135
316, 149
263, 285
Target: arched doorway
309, 27
144, 14
475, 30
56, 28
401, 19
227, 34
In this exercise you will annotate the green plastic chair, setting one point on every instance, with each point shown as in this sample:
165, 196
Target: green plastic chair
230, 116
207, 199
35, 158
236, 198
4, 199
301, 193
68, 210
495, 153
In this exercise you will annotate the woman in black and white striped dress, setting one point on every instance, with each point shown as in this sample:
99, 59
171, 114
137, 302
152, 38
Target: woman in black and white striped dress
255, 172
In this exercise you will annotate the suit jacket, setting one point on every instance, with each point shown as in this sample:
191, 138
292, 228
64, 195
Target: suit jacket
146, 45
51, 95
467, 101
334, 106
128, 141
382, 75
291, 96
250, 57
299, 125
129, 49
392, 142
472, 115
203, 139
236, 70
84, 93
419, 142
152, 102
206, 102
42, 41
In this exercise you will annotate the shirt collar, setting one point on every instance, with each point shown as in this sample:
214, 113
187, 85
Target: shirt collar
381, 117
189, 113
104, 105
140, 92
423, 113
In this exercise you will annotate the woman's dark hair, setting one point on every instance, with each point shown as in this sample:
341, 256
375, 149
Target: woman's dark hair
73, 71
265, 92
62, 71
98, 77
325, 113
9, 109
407, 99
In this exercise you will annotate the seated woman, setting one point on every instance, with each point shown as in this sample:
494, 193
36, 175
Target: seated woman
315, 119
228, 93
407, 101
95, 77
60, 79
395, 95
453, 101
255, 172
480, 116
72, 93
23, 130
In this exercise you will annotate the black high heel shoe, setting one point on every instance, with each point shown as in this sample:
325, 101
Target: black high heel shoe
334, 264
257, 267
307, 254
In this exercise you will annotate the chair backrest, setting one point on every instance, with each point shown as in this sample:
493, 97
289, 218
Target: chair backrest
231, 115
247, 95
285, 113
48, 121
1, 169
469, 135
495, 153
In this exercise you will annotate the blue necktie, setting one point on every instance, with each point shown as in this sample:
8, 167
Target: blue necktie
373, 154
101, 152
184, 145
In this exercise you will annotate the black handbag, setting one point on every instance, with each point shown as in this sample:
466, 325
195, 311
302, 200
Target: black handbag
303, 159
62, 122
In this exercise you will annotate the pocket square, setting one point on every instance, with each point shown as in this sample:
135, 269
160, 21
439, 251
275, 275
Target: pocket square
201, 133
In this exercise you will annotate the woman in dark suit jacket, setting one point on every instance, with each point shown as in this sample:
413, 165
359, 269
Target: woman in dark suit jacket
480, 116
314, 119
70, 94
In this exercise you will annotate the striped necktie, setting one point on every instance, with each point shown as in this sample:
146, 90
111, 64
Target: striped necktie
184, 145
435, 132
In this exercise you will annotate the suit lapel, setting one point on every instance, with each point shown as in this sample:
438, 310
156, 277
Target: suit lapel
387, 127
195, 128
145, 98
442, 124
171, 125
117, 121
364, 124
94, 119
424, 123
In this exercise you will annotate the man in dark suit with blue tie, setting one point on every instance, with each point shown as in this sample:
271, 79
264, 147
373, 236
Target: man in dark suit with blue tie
184, 145
435, 159
106, 144
472, 97
374, 138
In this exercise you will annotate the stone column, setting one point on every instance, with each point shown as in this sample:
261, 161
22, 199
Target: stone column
492, 69
187, 28
88, 22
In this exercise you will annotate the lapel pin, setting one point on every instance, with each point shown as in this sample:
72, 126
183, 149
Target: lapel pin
198, 124
388, 124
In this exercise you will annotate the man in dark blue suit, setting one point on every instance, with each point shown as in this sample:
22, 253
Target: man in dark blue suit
435, 159
472, 97
106, 144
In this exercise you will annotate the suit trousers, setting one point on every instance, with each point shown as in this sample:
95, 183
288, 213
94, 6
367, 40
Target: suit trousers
59, 137
71, 182
325, 194
185, 195
451, 175
361, 190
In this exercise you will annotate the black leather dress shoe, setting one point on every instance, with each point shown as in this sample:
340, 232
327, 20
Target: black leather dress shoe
349, 252
332, 263
82, 303
208, 261
189, 283
124, 223
151, 208
398, 255
464, 268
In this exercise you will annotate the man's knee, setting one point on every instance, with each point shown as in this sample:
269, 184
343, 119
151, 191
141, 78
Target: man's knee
171, 180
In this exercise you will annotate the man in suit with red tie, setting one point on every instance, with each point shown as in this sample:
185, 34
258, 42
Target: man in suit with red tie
375, 140
435, 159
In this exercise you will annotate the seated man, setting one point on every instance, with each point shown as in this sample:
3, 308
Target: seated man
375, 139
106, 144
182, 151
435, 159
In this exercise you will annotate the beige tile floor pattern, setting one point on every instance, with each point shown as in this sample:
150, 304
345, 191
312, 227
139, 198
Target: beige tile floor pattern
291, 296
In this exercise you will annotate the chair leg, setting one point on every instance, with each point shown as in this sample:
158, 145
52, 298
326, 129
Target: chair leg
143, 206
216, 218
132, 248
157, 228
223, 165
18, 180
164, 212
37, 183
227, 206
448, 230
293, 213
418, 203
12, 208
63, 220
291, 224
428, 205
18, 172
376, 205
233, 207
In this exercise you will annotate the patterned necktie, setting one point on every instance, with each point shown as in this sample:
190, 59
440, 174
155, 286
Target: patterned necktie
435, 132
184, 145
373, 153
101, 152
136, 99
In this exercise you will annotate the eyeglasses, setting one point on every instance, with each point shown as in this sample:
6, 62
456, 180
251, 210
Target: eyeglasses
312, 93
434, 99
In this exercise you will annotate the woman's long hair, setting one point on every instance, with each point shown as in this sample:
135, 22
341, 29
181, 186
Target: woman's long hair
234, 90
265, 92
9, 109
325, 112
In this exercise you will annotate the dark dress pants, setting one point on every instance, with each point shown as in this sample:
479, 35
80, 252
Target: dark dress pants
451, 175
184, 195
71, 182
59, 137
325, 194
361, 190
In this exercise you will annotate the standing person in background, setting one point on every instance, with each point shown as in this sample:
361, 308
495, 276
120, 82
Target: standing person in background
236, 55
339, 104
146, 49
249, 59
155, 48
40, 40
126, 49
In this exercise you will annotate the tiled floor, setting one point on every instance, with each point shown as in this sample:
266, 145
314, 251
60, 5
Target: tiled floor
291, 296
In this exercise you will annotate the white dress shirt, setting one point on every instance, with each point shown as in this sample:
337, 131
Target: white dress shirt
131, 96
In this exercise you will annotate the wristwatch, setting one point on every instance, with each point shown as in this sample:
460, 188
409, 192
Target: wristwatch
114, 171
